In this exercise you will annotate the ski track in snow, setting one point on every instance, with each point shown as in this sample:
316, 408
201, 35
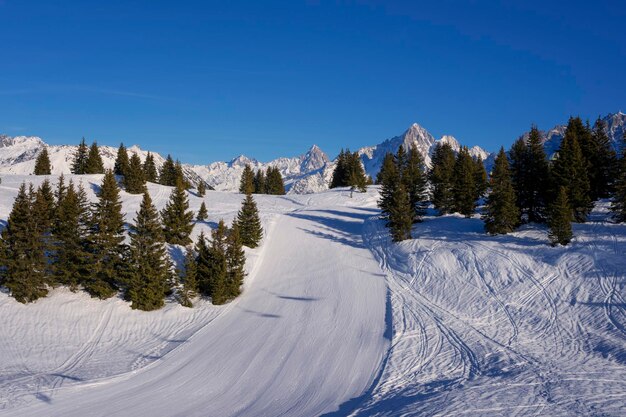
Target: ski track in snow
474, 324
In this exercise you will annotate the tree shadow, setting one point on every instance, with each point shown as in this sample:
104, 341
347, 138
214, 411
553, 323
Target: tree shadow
292, 297
261, 314
338, 226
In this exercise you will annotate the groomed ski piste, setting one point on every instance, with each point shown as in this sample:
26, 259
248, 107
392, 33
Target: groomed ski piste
335, 319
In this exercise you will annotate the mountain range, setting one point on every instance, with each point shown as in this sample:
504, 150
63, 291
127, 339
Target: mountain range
307, 173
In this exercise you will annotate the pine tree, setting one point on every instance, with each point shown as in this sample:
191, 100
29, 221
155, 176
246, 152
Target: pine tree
79, 166
203, 214
201, 188
203, 266
177, 218
167, 175
42, 164
134, 180
401, 158
480, 178
235, 262
23, 251
603, 162
72, 261
340, 173
189, 279
149, 169
464, 183
218, 265
618, 201
249, 223
501, 214
560, 220
179, 175
441, 178
400, 215
349, 171
570, 170
43, 211
121, 161
106, 237
259, 182
94, 163
414, 181
148, 259
389, 179
246, 185
274, 184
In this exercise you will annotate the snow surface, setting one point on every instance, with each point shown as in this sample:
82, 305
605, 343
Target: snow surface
336, 319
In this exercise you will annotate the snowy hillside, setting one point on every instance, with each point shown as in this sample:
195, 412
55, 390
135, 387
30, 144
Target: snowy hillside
336, 319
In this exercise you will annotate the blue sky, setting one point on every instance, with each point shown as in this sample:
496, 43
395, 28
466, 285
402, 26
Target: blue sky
209, 80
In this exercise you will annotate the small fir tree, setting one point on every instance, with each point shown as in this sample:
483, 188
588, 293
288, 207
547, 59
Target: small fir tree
249, 223
400, 215
246, 185
464, 183
42, 164
259, 182
94, 163
189, 279
441, 178
149, 169
203, 266
235, 262
121, 161
177, 218
134, 180
274, 184
603, 162
218, 265
201, 188
79, 165
560, 220
167, 175
389, 179
618, 201
414, 181
203, 213
501, 214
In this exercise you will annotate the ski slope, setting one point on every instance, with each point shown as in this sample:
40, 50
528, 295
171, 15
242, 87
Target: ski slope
336, 320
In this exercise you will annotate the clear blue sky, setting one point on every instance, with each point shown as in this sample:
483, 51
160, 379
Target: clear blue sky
208, 80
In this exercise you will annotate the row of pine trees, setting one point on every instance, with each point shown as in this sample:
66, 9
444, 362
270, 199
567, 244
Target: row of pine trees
55, 237
524, 186
268, 181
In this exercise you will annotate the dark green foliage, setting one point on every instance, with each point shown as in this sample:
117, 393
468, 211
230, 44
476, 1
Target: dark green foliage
121, 161
43, 210
389, 179
203, 266
246, 185
249, 223
480, 177
465, 194
501, 214
560, 220
441, 178
570, 170
400, 214
149, 169
414, 181
349, 172
23, 258
106, 237
603, 162
177, 218
168, 174
180, 175
42, 164
201, 188
134, 180
274, 184
189, 279
259, 182
72, 260
203, 214
94, 163
79, 166
212, 265
618, 202
235, 262
148, 264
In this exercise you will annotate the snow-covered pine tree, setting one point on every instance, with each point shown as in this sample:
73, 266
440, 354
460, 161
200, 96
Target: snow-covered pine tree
203, 213
148, 256
106, 237
121, 161
94, 163
79, 165
42, 164
177, 218
441, 176
501, 214
560, 220
246, 184
134, 180
249, 223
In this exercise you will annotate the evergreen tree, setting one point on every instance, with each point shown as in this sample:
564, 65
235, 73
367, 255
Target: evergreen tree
246, 185
203, 266
414, 181
603, 162
400, 215
218, 265
259, 182
203, 214
59, 194
618, 201
560, 220
72, 261
23, 251
167, 175
43, 210
177, 218
401, 158
274, 183
149, 169
189, 279
201, 188
501, 214
480, 178
389, 179
94, 163
148, 256
121, 161
106, 237
464, 183
134, 180
249, 223
235, 262
441, 178
79, 166
349, 172
180, 175
42, 164
340, 173
570, 170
